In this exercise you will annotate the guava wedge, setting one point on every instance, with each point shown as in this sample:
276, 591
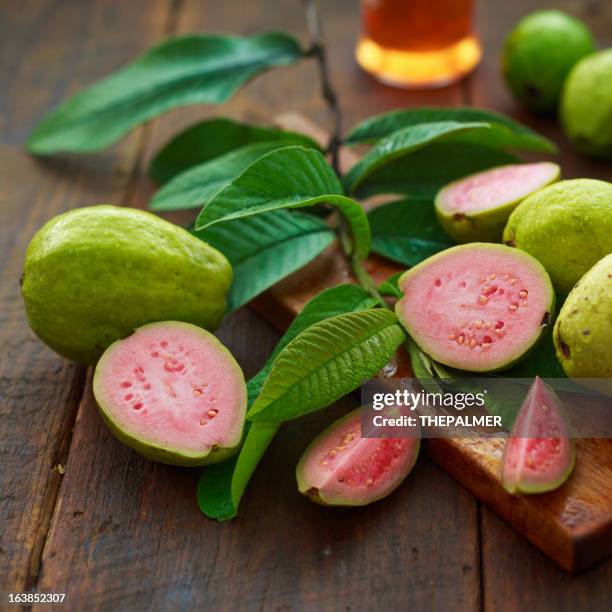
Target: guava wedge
92, 275
340, 468
478, 307
173, 393
539, 455
476, 208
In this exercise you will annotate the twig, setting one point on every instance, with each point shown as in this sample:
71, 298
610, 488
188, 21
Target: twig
317, 50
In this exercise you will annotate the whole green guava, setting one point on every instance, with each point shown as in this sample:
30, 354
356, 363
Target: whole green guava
586, 105
92, 275
583, 331
539, 53
567, 226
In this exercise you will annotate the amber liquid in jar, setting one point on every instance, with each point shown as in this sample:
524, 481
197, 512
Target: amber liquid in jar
418, 43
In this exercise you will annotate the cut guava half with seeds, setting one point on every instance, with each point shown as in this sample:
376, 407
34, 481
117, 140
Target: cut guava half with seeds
539, 455
340, 468
174, 393
476, 208
477, 307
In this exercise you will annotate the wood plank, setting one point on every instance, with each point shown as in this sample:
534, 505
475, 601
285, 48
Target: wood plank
52, 48
49, 48
521, 578
136, 538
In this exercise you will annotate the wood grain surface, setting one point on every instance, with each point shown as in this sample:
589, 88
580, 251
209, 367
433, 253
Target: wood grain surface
117, 532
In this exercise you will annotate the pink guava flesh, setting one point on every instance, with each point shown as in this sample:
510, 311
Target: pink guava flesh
539, 455
477, 307
173, 392
497, 187
340, 468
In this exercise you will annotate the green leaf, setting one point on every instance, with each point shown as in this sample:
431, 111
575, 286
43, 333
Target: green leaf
390, 287
255, 445
502, 400
542, 360
212, 138
214, 490
291, 177
265, 248
325, 362
415, 137
424, 172
221, 486
196, 187
422, 366
196, 69
407, 232
327, 304
517, 135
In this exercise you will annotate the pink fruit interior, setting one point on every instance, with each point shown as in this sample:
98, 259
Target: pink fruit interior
343, 466
171, 386
476, 308
538, 451
496, 187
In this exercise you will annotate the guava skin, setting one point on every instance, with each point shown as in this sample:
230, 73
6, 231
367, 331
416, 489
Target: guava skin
539, 456
92, 275
485, 225
566, 226
164, 455
146, 445
583, 331
539, 53
586, 105
340, 485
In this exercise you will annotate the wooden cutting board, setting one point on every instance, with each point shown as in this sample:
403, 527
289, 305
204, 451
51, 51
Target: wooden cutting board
572, 525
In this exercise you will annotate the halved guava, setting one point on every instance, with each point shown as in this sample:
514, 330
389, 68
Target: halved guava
340, 468
477, 307
172, 392
476, 208
539, 456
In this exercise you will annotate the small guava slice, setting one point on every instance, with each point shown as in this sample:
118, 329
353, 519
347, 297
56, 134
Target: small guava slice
173, 393
340, 468
476, 208
478, 307
539, 455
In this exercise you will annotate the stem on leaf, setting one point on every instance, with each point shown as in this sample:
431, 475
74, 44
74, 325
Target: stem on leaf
363, 278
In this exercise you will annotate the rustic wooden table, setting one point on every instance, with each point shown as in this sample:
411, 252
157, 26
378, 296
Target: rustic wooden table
117, 532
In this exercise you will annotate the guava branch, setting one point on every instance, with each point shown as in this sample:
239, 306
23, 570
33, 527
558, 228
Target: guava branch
318, 52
